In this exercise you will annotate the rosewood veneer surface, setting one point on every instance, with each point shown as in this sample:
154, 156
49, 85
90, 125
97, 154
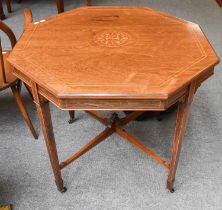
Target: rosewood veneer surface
113, 58
115, 53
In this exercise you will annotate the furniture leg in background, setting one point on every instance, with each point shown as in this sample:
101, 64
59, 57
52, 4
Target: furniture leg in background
21, 106
2, 14
9, 8
8, 80
219, 2
60, 6
88, 2
72, 117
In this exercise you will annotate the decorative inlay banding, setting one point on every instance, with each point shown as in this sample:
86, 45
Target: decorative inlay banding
112, 38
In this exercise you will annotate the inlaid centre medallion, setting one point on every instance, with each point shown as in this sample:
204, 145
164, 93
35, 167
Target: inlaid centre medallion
112, 38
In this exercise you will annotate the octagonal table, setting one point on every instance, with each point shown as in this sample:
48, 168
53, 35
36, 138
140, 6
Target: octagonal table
113, 58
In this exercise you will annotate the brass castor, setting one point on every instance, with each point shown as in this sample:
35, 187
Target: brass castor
64, 189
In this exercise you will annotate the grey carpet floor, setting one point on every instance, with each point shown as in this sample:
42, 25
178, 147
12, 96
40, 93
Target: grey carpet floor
115, 175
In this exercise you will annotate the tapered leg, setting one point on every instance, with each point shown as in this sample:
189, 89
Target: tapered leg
60, 6
16, 93
46, 123
72, 117
181, 121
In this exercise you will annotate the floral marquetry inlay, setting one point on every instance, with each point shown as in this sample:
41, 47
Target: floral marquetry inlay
113, 51
112, 38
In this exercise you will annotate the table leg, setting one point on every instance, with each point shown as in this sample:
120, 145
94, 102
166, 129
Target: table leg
60, 6
88, 2
8, 4
71, 117
181, 121
46, 123
2, 15
219, 2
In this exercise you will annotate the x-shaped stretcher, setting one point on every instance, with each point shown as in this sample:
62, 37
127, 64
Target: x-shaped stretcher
115, 125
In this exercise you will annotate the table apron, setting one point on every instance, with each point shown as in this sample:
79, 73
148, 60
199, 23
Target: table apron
114, 104
132, 104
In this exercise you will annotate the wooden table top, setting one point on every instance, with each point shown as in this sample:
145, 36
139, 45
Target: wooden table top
133, 52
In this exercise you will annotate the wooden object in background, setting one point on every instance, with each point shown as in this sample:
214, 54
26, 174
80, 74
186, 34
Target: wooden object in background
88, 2
2, 14
27, 20
60, 5
219, 2
113, 58
7, 79
9, 8
27, 17
6, 207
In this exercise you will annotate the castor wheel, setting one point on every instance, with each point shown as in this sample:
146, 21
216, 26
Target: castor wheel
170, 186
64, 189
172, 190
71, 121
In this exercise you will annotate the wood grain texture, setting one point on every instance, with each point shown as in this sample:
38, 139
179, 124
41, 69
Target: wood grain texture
46, 123
27, 17
113, 58
181, 122
113, 52
137, 143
